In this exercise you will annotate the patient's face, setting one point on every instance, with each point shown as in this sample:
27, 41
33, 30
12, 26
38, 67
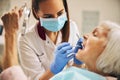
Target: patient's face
94, 43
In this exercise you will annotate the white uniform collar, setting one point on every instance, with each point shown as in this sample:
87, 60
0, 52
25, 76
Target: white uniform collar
50, 43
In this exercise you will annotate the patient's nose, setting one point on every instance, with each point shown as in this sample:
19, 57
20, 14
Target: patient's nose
85, 36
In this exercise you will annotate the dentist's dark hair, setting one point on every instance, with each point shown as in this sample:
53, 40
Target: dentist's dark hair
66, 29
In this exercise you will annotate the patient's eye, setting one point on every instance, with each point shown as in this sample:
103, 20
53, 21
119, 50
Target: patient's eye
95, 33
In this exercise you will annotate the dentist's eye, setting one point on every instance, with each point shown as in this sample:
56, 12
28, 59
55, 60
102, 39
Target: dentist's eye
60, 13
48, 16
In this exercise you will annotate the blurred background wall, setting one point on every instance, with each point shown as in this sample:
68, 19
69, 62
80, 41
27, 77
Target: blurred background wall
89, 13
86, 13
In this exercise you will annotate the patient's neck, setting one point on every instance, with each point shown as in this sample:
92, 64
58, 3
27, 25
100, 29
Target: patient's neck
93, 68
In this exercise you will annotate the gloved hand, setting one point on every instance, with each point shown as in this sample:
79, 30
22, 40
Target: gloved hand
78, 46
61, 58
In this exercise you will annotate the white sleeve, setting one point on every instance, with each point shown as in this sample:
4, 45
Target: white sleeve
31, 65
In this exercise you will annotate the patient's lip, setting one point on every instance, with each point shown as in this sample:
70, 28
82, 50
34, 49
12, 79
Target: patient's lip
83, 44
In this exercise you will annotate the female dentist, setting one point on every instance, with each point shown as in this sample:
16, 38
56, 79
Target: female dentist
37, 46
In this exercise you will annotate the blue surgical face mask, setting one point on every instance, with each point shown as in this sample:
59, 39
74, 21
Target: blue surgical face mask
54, 24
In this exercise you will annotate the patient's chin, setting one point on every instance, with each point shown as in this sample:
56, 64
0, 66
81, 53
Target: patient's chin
79, 55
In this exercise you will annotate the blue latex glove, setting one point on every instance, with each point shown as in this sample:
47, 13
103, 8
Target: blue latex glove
78, 46
61, 58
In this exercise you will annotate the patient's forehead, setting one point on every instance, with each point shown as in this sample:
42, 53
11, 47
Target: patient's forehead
104, 26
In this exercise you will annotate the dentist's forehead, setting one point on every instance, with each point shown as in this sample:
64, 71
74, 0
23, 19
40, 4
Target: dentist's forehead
51, 6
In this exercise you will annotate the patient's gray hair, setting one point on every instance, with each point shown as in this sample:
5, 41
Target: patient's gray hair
109, 60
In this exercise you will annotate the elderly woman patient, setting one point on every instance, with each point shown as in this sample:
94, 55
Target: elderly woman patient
100, 53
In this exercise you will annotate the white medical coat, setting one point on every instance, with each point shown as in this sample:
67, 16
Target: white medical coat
36, 54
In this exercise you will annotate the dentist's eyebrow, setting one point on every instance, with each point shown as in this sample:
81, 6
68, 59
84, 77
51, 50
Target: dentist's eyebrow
57, 12
48, 15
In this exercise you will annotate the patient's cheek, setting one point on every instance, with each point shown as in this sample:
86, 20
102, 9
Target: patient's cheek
80, 55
